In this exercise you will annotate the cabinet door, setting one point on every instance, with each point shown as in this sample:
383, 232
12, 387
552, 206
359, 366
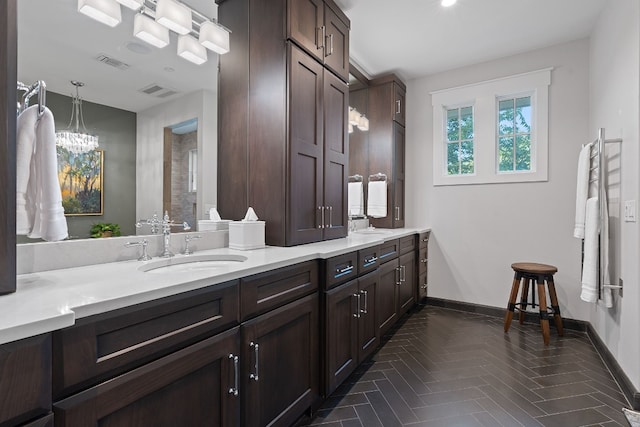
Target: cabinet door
191, 387
341, 334
336, 52
280, 354
336, 156
305, 178
407, 287
368, 332
386, 301
398, 176
399, 96
305, 25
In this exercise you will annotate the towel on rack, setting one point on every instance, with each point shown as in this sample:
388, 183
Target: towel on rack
39, 211
590, 263
356, 198
377, 199
582, 190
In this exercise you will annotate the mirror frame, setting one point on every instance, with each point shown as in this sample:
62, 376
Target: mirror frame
8, 76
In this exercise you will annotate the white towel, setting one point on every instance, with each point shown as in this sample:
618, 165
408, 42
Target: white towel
590, 264
356, 198
582, 190
377, 199
39, 211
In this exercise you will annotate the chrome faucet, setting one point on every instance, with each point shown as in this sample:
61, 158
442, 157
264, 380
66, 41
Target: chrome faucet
167, 223
154, 223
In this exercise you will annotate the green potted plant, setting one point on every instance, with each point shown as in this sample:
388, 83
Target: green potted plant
105, 229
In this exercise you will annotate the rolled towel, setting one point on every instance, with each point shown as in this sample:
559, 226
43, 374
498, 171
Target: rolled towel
377, 199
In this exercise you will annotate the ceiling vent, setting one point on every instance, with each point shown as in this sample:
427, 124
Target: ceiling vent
112, 62
158, 91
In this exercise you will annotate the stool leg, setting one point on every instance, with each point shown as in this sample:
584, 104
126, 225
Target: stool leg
512, 301
524, 295
544, 316
554, 305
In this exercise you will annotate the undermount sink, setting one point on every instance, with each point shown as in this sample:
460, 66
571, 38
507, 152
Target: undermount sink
191, 263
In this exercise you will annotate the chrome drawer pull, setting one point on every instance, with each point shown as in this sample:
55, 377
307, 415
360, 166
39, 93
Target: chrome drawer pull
234, 390
366, 301
357, 313
256, 351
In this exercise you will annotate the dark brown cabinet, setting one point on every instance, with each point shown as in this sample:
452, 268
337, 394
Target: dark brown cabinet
284, 147
280, 364
387, 301
351, 327
322, 30
406, 282
25, 381
387, 145
319, 151
423, 262
194, 386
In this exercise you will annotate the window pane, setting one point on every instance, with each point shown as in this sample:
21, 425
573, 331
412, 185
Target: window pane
505, 117
452, 125
523, 153
466, 157
523, 115
466, 123
453, 159
505, 155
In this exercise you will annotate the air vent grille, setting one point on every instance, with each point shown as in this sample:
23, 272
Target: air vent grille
112, 62
158, 91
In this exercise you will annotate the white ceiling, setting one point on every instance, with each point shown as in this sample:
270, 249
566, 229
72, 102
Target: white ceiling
414, 38
410, 37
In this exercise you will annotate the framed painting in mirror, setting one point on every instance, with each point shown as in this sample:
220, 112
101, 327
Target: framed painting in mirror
80, 177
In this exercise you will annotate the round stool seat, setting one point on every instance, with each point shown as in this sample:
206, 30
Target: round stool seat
534, 268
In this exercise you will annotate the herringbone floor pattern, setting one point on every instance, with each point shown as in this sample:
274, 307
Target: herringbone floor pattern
442, 367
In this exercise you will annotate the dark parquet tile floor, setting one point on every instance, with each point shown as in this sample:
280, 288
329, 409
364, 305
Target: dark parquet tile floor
443, 367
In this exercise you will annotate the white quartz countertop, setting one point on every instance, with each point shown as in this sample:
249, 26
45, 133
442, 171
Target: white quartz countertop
51, 300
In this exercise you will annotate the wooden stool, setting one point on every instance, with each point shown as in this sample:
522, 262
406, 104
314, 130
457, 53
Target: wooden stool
539, 273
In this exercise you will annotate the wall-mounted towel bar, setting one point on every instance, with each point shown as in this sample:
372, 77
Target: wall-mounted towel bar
377, 177
356, 178
39, 88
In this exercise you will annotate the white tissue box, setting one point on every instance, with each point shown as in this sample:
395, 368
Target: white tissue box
211, 225
246, 235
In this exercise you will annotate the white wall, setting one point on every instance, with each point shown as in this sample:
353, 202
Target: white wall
149, 155
614, 89
479, 230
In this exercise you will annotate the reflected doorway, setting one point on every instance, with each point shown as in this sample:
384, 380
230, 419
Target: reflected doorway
180, 172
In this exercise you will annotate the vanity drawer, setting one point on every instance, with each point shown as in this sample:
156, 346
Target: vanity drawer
407, 244
340, 269
368, 259
264, 292
102, 346
389, 250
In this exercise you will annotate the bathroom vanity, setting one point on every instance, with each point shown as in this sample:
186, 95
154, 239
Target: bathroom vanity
123, 341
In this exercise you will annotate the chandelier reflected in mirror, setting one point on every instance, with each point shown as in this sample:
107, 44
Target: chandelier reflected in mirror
76, 140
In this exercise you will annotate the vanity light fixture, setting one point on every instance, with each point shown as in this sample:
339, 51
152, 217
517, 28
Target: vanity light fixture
105, 11
131, 4
191, 50
76, 140
447, 3
214, 37
174, 15
150, 31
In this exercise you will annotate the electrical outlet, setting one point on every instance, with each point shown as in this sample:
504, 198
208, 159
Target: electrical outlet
630, 211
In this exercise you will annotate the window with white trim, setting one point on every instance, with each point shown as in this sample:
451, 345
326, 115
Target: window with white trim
514, 134
505, 135
459, 140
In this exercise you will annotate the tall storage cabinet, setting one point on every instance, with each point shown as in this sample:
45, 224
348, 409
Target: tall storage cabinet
387, 144
283, 108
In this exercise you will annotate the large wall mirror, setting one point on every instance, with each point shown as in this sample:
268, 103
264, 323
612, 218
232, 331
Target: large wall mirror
133, 92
